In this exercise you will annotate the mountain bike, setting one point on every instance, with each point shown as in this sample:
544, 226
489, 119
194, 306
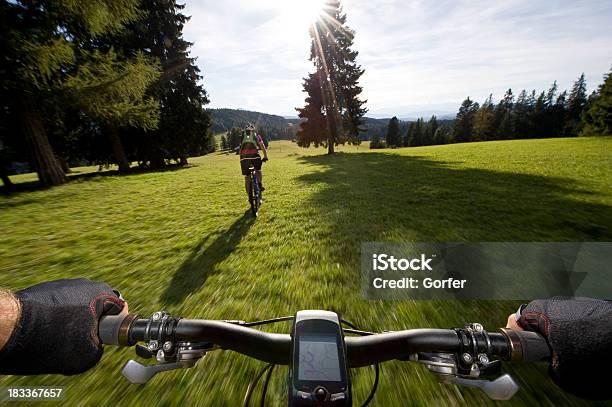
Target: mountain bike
255, 192
322, 348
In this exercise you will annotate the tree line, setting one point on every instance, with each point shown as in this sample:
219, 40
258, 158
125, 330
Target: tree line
550, 113
417, 133
104, 82
273, 126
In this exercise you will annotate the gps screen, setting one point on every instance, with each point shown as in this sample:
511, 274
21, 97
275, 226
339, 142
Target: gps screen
319, 358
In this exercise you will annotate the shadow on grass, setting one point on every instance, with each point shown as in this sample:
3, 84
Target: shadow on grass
202, 262
32, 186
388, 197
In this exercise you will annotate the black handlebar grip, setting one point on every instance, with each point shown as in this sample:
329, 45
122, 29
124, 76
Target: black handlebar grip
526, 346
116, 329
108, 329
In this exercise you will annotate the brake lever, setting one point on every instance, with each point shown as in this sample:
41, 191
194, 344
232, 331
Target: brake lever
186, 356
502, 388
137, 373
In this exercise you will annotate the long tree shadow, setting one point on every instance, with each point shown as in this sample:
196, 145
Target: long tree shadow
202, 261
20, 188
389, 197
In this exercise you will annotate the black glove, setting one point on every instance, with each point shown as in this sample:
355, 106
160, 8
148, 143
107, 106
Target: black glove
264, 159
579, 332
58, 328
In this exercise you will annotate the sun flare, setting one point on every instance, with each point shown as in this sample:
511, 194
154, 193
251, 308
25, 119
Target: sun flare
299, 13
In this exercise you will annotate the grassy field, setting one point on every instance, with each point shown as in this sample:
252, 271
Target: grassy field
183, 241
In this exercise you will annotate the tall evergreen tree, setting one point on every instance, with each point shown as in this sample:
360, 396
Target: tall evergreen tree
576, 103
418, 133
45, 63
483, 120
184, 123
313, 128
523, 109
409, 135
393, 137
430, 130
464, 122
503, 118
338, 74
598, 118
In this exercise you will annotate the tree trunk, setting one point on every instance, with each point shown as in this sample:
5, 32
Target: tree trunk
5, 179
157, 163
330, 112
49, 170
183, 160
117, 146
64, 164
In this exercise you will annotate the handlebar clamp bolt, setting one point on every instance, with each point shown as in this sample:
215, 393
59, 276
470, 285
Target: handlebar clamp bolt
478, 327
153, 345
467, 358
157, 316
167, 346
483, 359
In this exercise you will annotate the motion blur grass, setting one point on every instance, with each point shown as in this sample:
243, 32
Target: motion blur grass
183, 241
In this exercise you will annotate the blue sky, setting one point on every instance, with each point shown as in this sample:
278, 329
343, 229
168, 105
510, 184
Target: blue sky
419, 56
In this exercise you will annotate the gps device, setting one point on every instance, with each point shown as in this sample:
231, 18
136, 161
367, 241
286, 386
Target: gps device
318, 374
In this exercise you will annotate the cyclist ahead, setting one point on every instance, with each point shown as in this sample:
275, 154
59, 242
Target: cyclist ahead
249, 155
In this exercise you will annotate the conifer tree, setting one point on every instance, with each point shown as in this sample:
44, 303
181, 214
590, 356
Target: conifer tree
464, 122
576, 103
598, 118
46, 62
184, 123
393, 137
337, 74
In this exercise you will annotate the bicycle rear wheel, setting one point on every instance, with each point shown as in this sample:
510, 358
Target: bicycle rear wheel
253, 196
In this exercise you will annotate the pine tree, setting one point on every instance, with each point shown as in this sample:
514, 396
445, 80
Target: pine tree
338, 74
442, 135
464, 122
522, 112
419, 132
597, 119
184, 123
576, 103
504, 118
409, 135
376, 142
430, 130
313, 128
46, 62
393, 137
483, 120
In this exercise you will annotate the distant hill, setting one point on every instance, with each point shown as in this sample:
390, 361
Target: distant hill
274, 127
284, 128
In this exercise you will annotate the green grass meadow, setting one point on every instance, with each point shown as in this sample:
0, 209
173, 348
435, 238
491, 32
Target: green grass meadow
182, 240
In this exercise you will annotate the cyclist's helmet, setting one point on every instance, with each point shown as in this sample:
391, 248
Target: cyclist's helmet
249, 128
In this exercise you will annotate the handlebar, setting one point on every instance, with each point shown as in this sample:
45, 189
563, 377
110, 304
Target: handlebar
274, 348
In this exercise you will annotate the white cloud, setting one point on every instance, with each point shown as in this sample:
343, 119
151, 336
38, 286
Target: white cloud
417, 54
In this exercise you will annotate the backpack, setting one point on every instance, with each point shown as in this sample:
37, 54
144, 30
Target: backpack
249, 140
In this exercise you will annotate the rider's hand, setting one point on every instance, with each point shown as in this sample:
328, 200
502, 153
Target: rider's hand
58, 328
579, 333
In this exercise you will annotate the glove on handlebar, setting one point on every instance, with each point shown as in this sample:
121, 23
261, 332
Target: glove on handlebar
579, 332
58, 328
